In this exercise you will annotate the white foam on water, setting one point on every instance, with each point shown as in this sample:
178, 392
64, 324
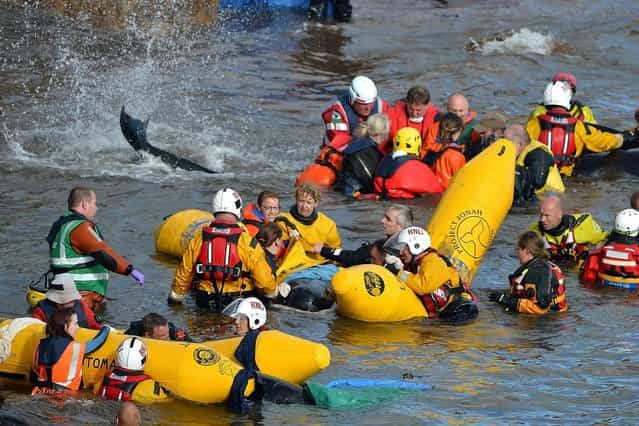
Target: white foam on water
522, 41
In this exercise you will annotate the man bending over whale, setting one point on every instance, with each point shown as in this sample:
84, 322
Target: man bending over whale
396, 218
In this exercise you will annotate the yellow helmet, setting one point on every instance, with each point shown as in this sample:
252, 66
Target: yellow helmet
408, 140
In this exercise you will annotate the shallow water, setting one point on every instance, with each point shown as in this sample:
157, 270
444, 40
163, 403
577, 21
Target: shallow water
243, 96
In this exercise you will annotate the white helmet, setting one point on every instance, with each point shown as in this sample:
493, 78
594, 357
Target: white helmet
627, 222
362, 90
558, 93
251, 307
416, 238
131, 354
227, 200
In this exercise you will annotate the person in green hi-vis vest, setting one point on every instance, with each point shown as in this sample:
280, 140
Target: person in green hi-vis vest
78, 251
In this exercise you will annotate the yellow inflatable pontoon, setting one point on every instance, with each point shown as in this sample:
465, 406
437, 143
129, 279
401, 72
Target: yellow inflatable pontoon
199, 372
462, 228
371, 293
473, 208
173, 235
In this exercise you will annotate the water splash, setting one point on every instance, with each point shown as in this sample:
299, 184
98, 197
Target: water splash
70, 97
511, 41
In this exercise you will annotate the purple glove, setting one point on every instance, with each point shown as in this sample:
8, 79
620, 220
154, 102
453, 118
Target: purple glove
138, 276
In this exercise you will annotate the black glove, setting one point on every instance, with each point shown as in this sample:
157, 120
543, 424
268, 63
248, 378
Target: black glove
496, 296
630, 139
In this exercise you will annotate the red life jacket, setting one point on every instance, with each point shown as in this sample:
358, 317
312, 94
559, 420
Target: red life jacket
399, 119
405, 177
557, 292
49, 307
352, 118
118, 385
219, 258
620, 260
439, 299
331, 157
557, 132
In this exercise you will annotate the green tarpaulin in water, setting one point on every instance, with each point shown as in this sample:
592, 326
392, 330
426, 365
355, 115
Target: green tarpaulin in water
339, 398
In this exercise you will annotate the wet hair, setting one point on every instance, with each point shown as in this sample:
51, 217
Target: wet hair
418, 95
534, 243
378, 124
379, 245
634, 201
308, 188
449, 124
404, 215
77, 195
266, 194
361, 130
57, 322
268, 233
152, 320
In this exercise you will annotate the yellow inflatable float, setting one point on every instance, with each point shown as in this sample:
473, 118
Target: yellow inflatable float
371, 293
473, 208
199, 372
462, 228
173, 235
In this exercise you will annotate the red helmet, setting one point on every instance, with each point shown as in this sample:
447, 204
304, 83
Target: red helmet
564, 76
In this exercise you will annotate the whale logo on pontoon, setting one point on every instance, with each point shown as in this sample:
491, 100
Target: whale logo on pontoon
474, 236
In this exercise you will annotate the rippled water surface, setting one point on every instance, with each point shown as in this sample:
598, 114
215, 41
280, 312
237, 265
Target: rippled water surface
243, 96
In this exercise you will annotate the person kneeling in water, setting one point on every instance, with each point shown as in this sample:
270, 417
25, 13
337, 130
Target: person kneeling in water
617, 262
155, 326
127, 381
430, 275
537, 286
250, 318
401, 174
57, 360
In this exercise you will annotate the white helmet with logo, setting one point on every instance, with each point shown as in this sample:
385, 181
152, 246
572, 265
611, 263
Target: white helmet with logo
131, 354
558, 93
362, 90
627, 222
227, 200
251, 307
416, 238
